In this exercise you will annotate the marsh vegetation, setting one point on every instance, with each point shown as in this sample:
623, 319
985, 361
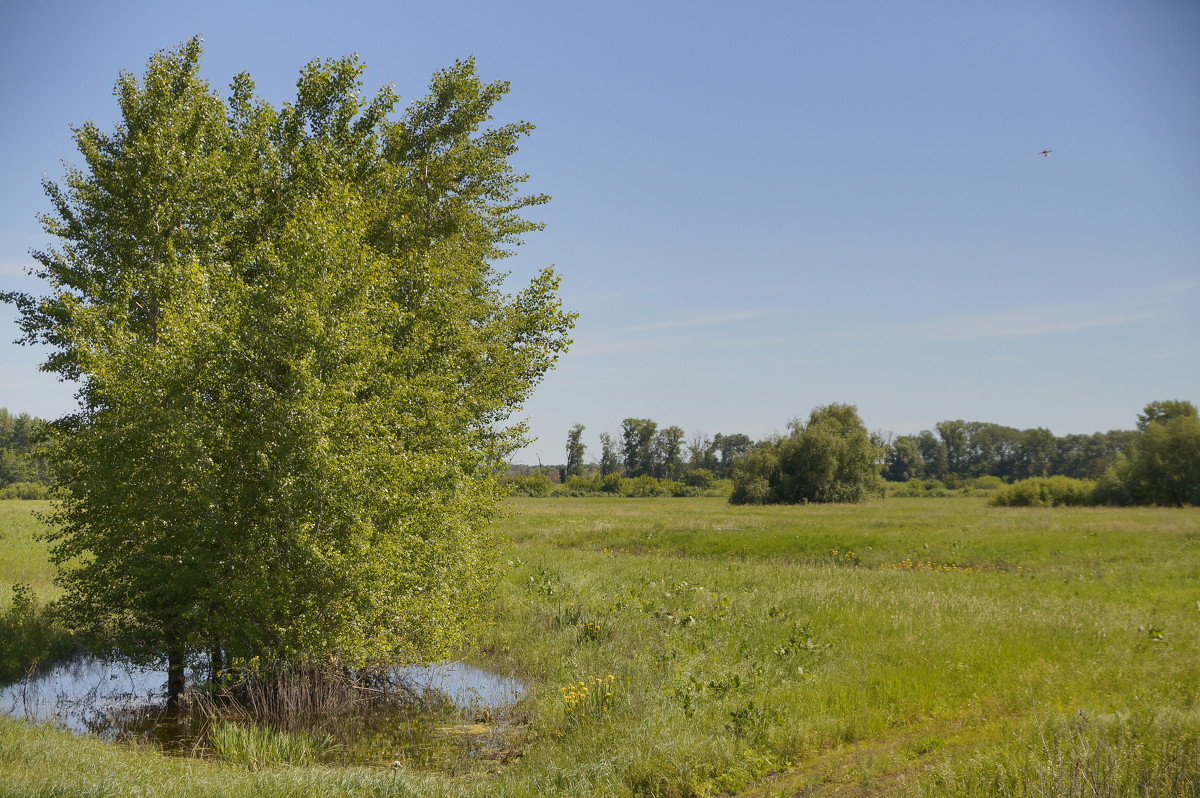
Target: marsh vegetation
897, 647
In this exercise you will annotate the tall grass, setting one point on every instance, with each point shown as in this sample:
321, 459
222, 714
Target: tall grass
1082, 756
904, 647
256, 746
24, 558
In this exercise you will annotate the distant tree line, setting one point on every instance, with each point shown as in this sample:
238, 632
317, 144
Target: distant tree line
966, 449
1160, 465
832, 458
643, 449
22, 475
953, 450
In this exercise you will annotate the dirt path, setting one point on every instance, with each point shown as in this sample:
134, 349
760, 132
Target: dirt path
873, 769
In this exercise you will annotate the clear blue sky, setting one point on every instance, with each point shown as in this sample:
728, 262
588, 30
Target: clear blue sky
760, 207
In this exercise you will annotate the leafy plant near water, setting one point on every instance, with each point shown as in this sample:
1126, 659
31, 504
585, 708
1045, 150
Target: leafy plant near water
30, 635
257, 746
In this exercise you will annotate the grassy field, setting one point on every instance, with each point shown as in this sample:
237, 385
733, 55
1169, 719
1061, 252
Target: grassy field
912, 647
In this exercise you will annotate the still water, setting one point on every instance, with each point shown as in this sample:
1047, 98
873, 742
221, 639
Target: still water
84, 693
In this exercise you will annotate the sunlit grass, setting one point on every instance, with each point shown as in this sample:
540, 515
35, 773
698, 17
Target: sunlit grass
257, 747
23, 558
904, 647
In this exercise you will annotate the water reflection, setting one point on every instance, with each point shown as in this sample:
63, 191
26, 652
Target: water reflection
85, 694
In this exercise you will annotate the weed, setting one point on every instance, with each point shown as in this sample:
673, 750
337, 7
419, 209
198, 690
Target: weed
256, 746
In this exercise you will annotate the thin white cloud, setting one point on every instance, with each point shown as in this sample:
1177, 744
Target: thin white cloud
1019, 323
698, 321
654, 337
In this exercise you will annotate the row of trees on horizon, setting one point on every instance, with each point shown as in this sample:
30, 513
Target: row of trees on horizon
833, 458
22, 475
952, 450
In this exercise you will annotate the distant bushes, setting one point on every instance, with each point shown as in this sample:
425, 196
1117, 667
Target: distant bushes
1046, 492
938, 489
642, 487
25, 490
1160, 466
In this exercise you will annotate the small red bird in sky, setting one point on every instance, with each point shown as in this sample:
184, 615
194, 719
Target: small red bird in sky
1045, 153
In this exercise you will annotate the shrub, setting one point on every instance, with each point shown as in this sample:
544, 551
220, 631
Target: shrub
30, 635
1046, 492
611, 483
532, 485
922, 488
829, 459
700, 478
579, 486
645, 487
985, 482
25, 490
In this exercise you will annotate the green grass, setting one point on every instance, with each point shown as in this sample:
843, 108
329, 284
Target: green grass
23, 558
903, 647
258, 747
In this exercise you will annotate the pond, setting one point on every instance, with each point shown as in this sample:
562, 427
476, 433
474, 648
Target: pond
118, 700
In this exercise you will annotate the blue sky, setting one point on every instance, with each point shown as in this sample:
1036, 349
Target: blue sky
759, 207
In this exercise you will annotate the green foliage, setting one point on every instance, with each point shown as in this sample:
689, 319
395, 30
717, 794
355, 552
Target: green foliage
922, 488
256, 747
936, 488
538, 485
986, 482
637, 446
611, 483
580, 486
610, 460
829, 459
531, 485
646, 487
19, 461
575, 452
36, 491
668, 453
30, 635
1162, 464
903, 461
1046, 492
295, 363
969, 449
1163, 411
700, 478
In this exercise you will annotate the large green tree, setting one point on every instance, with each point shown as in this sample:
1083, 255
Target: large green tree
667, 449
576, 451
1161, 464
295, 364
637, 446
831, 458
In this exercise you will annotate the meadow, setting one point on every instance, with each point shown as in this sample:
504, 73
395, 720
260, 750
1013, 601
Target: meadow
686, 647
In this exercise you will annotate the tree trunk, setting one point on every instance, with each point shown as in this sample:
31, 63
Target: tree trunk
217, 663
175, 678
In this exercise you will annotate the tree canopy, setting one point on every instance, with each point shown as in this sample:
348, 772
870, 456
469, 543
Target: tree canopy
1162, 463
296, 363
831, 458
